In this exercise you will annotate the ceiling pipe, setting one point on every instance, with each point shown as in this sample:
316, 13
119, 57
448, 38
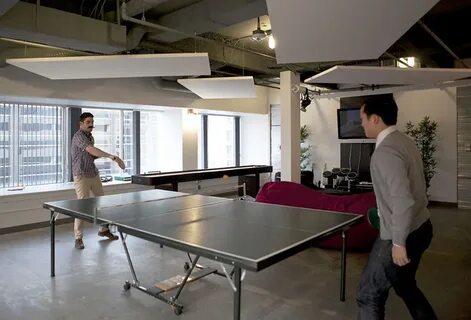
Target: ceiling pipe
125, 17
431, 33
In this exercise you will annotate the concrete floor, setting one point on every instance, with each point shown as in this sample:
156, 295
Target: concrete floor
88, 283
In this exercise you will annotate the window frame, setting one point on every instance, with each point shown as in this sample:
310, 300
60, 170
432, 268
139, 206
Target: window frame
204, 130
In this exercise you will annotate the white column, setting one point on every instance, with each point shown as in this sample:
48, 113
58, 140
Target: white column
190, 124
290, 128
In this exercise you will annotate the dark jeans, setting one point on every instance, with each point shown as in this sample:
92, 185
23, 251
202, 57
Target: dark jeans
381, 274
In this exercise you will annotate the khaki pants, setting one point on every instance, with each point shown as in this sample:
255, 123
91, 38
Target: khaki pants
83, 187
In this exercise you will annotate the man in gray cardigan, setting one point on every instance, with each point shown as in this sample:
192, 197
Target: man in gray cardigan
405, 227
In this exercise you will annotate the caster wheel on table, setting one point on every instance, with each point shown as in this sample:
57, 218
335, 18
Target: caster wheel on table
127, 286
178, 311
186, 266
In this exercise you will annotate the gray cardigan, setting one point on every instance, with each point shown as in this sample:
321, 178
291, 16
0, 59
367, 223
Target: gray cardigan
399, 184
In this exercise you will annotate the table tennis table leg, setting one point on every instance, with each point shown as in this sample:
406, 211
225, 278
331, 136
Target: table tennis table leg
343, 266
237, 292
53, 242
125, 246
188, 272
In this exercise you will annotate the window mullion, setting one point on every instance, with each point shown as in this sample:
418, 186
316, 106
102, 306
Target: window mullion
66, 129
121, 134
237, 141
14, 145
205, 141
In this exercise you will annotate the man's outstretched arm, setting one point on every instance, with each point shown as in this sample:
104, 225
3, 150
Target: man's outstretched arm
96, 152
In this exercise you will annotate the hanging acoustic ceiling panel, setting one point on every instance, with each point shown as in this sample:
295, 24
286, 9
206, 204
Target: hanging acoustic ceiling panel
221, 88
117, 66
320, 30
387, 75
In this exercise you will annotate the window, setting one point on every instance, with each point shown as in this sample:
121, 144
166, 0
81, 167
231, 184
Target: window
36, 135
222, 141
5, 145
113, 134
275, 132
161, 143
150, 122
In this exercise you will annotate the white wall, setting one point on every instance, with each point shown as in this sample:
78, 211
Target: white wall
254, 139
440, 105
273, 96
321, 119
26, 207
189, 132
170, 146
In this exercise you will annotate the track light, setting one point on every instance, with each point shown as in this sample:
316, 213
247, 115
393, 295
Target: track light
305, 100
258, 34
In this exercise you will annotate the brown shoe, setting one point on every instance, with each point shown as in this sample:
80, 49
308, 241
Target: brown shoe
108, 234
79, 244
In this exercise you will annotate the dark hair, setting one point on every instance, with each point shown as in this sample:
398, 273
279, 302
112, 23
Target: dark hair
382, 105
85, 115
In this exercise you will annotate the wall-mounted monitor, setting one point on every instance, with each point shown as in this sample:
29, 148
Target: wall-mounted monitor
349, 124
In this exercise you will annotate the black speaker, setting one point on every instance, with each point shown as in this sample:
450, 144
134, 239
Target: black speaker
328, 179
307, 177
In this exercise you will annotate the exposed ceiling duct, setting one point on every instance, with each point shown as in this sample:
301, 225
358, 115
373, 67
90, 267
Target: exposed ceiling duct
62, 29
136, 7
208, 16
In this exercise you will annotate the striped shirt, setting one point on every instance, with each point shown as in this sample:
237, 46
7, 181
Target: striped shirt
82, 161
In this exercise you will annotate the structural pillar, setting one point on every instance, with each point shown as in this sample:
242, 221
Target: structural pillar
190, 123
290, 127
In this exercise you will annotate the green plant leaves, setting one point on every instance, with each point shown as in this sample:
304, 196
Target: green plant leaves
424, 134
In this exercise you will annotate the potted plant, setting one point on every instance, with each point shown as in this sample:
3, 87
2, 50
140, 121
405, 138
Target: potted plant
305, 149
424, 134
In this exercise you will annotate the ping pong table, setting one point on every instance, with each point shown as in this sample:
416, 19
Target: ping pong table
241, 235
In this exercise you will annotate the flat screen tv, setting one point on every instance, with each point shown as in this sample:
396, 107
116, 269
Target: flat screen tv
349, 124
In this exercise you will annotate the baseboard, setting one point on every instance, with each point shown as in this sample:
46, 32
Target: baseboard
32, 226
443, 204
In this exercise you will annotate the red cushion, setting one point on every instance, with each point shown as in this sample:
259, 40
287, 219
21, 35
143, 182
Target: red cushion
359, 237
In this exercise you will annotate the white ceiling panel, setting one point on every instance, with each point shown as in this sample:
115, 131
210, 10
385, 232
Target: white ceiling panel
221, 88
320, 30
117, 66
387, 75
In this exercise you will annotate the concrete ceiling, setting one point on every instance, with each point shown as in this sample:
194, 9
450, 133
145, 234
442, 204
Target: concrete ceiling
94, 27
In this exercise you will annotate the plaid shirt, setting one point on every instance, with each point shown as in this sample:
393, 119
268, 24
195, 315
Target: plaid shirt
82, 161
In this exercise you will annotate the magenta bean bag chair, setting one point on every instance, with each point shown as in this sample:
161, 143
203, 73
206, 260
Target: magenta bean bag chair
359, 237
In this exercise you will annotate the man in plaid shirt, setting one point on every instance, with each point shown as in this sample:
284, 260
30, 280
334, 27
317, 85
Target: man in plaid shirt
85, 173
